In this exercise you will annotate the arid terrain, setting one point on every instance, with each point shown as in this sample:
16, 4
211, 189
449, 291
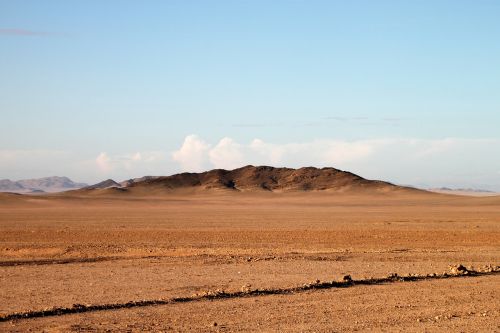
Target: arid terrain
226, 261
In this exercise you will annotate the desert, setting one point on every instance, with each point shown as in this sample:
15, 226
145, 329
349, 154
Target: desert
199, 258
249, 166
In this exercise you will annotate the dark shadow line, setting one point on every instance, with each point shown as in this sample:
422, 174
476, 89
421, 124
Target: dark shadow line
41, 262
37, 262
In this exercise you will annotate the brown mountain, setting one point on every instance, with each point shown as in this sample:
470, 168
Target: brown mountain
263, 178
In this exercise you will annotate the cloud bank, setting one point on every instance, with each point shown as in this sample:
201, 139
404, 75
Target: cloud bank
451, 162
196, 154
423, 162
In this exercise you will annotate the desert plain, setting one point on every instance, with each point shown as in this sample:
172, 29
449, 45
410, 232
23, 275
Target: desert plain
234, 262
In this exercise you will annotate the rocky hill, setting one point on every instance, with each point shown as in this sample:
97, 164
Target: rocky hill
264, 178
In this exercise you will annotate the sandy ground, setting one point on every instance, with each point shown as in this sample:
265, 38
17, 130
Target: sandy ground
59, 251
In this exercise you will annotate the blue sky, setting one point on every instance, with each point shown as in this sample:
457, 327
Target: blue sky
397, 90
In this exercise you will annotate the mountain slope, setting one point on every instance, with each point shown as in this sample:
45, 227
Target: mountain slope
7, 185
108, 183
131, 181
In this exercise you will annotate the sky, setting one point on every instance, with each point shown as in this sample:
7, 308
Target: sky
403, 91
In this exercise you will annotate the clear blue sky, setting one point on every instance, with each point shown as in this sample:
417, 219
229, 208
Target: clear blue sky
92, 89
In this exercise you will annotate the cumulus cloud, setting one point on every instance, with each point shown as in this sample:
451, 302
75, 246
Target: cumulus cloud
318, 152
451, 162
405, 161
193, 154
104, 162
196, 154
227, 154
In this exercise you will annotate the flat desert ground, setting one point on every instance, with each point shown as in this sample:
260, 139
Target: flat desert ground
241, 262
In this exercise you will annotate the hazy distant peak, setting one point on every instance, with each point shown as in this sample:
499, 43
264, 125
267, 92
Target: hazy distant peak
462, 191
48, 182
7, 185
36, 185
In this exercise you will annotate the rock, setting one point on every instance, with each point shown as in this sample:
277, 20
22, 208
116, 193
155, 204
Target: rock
346, 278
459, 270
246, 288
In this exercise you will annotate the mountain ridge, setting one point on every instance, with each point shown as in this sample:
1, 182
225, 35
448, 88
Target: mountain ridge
253, 179
39, 185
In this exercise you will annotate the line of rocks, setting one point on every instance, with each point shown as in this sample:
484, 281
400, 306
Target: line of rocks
246, 291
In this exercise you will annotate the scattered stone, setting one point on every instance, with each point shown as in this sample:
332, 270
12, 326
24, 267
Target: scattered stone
487, 269
459, 270
347, 278
214, 324
246, 288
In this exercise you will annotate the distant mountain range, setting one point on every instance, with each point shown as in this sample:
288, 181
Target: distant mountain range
40, 185
108, 183
462, 191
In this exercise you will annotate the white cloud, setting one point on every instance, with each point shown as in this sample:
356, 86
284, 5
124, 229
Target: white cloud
318, 152
227, 154
451, 162
404, 161
22, 164
137, 157
103, 162
196, 154
193, 154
